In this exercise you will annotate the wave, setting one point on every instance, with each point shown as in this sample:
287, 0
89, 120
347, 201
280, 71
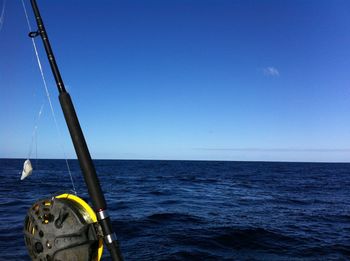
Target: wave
173, 217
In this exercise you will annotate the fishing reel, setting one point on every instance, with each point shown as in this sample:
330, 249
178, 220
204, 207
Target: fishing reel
62, 228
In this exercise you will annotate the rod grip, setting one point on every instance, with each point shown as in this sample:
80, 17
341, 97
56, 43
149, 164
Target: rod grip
86, 164
114, 251
110, 238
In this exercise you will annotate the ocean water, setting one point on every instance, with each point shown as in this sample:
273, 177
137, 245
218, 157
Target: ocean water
197, 210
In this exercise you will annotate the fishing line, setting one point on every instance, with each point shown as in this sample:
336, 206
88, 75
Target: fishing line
34, 134
2, 16
48, 97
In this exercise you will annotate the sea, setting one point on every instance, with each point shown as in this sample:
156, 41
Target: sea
197, 210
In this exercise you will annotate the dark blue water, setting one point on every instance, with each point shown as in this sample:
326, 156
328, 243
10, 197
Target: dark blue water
183, 210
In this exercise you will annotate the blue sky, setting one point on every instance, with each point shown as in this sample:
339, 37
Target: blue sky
211, 80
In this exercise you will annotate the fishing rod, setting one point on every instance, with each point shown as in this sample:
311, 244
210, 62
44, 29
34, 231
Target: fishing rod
91, 233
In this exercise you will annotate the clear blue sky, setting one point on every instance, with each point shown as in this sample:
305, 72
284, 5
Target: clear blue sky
212, 80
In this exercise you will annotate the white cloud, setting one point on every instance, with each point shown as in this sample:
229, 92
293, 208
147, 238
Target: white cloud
271, 71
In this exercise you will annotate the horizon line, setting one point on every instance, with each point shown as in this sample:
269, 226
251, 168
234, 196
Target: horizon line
213, 160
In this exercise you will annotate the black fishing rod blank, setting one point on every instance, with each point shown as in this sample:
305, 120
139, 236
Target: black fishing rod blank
81, 148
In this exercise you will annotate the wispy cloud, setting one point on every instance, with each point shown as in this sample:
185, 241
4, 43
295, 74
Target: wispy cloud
271, 71
277, 149
2, 15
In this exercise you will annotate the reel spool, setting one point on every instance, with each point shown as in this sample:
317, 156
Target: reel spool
62, 228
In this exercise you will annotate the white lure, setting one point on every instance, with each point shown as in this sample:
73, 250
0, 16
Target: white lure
27, 169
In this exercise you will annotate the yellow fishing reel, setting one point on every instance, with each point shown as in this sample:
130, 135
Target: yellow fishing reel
62, 228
